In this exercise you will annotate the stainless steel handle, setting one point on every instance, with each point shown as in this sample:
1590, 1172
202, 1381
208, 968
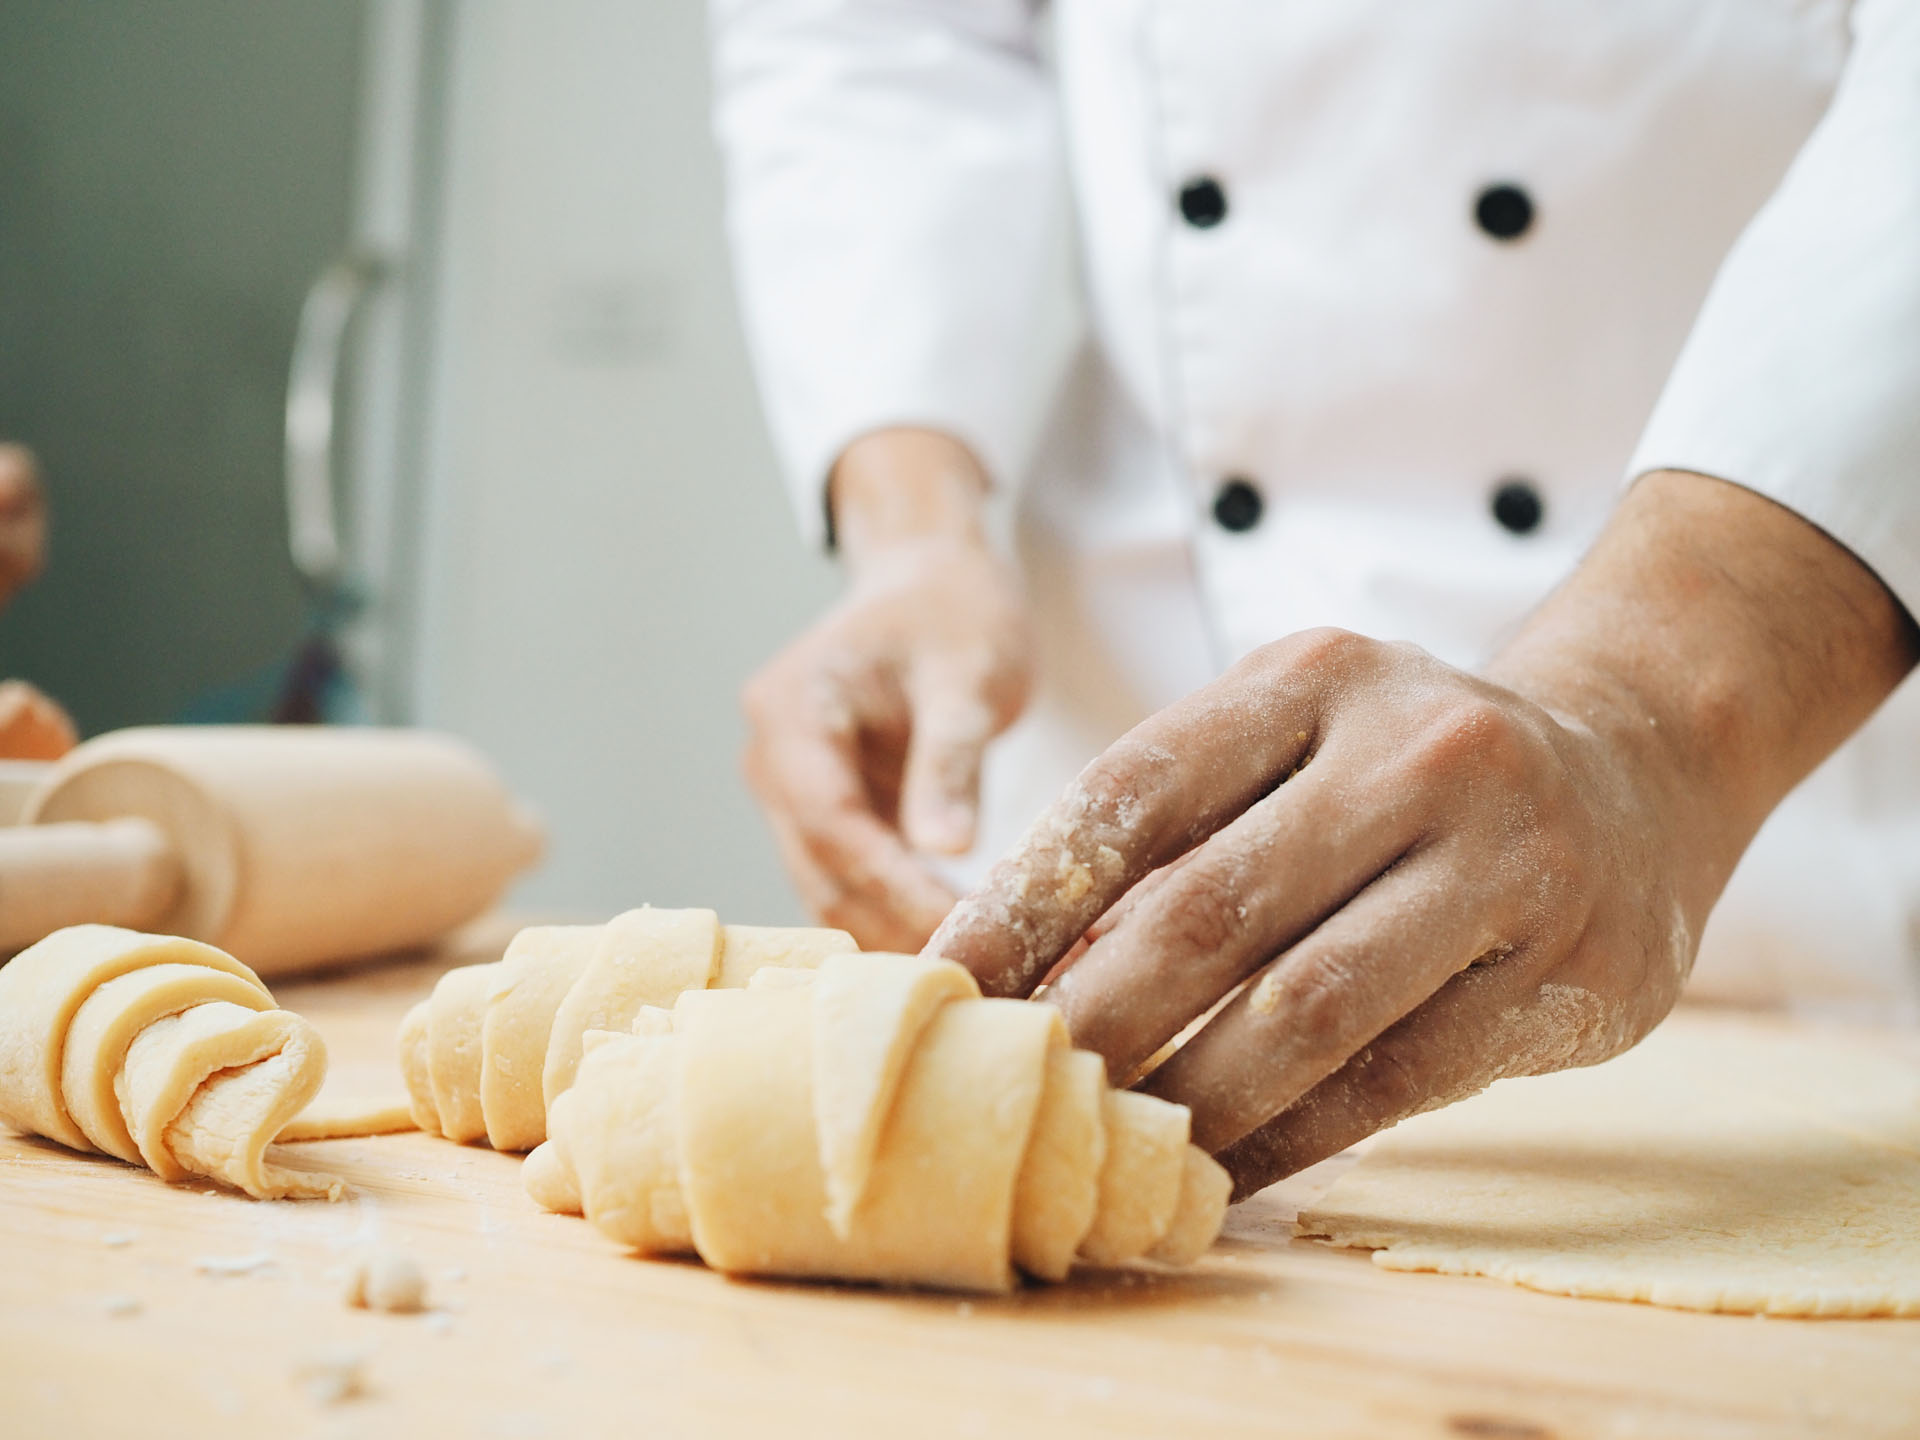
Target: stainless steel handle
313, 526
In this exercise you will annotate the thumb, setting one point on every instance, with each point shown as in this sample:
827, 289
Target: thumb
940, 789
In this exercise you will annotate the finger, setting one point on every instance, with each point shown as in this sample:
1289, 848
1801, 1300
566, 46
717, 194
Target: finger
1377, 959
32, 727
1161, 789
19, 481
23, 520
1486, 1023
1129, 902
872, 921
952, 724
1252, 890
808, 780
1121, 909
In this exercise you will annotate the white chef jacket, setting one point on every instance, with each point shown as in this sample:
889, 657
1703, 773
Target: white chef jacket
1379, 299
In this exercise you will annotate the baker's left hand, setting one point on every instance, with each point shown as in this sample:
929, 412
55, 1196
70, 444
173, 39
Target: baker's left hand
1422, 880
23, 520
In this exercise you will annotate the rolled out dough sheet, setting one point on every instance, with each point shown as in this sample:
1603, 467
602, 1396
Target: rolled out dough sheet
347, 1117
1722, 1165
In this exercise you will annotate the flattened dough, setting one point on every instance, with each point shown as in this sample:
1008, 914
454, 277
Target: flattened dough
1721, 1165
348, 1118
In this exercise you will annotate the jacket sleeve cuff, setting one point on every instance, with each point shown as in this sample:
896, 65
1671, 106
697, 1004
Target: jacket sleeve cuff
1801, 378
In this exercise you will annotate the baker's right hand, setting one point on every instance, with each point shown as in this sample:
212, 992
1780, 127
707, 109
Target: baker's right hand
865, 735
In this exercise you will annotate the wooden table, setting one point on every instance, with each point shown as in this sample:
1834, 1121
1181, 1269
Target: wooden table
131, 1307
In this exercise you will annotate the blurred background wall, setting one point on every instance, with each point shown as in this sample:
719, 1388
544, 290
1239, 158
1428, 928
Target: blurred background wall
560, 499
171, 176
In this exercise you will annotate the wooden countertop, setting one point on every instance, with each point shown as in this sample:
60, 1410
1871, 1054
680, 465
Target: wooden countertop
112, 1322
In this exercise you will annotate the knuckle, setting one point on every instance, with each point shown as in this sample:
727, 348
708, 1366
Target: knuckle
1200, 912
759, 700
1193, 916
1393, 1082
836, 913
1312, 1000
1325, 647
1109, 789
1475, 732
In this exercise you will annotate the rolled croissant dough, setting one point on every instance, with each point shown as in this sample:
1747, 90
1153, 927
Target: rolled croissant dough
871, 1119
1722, 1165
161, 1051
495, 1045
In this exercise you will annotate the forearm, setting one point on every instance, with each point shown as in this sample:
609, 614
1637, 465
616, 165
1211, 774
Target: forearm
1727, 645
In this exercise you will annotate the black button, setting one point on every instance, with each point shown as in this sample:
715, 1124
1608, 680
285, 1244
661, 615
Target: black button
1203, 202
1238, 506
1504, 211
1518, 506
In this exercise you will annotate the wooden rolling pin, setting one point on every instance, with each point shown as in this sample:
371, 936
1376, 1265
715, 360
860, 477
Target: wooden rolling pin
286, 846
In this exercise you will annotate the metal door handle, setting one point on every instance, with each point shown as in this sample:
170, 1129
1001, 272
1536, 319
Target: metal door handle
313, 527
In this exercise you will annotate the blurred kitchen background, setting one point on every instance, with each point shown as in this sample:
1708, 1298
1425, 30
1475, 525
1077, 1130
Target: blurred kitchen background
557, 505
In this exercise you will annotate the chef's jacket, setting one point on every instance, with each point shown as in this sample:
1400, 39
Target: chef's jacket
1381, 300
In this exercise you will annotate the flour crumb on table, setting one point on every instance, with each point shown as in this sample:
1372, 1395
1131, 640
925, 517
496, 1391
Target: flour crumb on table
332, 1378
122, 1305
233, 1264
118, 1239
389, 1281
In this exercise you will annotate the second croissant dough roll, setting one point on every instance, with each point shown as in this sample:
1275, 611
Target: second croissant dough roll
495, 1044
164, 1052
874, 1120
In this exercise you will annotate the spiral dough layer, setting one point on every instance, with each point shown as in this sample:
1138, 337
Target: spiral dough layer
496, 1044
164, 1052
874, 1119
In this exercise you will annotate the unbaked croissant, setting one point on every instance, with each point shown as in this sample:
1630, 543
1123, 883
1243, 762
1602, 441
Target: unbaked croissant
164, 1052
495, 1044
875, 1119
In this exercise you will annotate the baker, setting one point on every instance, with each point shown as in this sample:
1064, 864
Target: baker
1488, 488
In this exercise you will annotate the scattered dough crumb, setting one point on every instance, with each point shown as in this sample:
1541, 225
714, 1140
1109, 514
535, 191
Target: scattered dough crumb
122, 1304
456, 1273
333, 1378
440, 1322
233, 1264
387, 1280
117, 1239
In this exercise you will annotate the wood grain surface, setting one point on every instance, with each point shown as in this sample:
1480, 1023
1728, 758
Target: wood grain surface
128, 1307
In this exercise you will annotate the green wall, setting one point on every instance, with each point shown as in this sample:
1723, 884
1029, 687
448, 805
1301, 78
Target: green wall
172, 175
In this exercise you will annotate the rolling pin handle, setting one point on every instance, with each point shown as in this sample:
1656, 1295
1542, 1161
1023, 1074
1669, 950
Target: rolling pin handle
108, 872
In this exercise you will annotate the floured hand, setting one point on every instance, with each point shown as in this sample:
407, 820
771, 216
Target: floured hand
866, 733
1422, 880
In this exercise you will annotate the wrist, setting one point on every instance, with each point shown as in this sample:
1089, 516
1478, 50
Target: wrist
1719, 647
901, 491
